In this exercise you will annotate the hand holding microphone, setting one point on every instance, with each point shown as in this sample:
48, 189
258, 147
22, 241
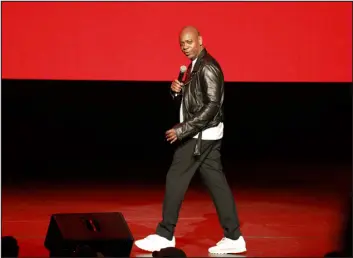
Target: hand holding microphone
177, 84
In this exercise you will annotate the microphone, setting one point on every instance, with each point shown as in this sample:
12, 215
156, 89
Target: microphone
181, 73
180, 78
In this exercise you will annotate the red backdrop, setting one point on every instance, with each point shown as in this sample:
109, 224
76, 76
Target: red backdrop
269, 41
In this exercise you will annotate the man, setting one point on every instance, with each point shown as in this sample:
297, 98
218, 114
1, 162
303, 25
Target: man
199, 135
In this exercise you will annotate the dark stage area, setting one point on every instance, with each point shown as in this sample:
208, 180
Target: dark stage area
90, 146
66, 129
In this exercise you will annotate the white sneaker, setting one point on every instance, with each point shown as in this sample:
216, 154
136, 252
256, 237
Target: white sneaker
228, 246
153, 243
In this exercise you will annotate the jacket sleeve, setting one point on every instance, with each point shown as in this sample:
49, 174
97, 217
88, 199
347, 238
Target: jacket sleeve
211, 80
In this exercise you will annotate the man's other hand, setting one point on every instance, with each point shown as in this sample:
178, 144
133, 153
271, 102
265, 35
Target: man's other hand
171, 136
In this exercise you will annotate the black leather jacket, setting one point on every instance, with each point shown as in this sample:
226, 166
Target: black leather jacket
203, 95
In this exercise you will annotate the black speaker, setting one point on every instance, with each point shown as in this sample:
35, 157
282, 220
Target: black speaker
106, 233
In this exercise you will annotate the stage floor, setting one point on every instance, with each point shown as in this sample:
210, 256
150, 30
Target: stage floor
293, 220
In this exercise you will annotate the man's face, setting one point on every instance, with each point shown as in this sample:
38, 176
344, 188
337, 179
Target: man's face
190, 44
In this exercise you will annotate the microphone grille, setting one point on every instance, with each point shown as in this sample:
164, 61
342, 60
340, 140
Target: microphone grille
183, 68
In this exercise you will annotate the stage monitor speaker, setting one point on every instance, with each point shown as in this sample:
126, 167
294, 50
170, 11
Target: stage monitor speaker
106, 233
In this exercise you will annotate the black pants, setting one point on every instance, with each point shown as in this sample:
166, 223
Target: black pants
183, 168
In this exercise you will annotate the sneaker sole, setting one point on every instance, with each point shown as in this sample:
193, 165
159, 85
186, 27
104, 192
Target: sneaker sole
145, 249
150, 250
229, 251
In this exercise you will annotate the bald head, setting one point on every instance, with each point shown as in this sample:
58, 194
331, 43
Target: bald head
190, 42
190, 29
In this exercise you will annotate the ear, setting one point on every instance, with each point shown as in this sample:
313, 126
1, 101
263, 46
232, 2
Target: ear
200, 40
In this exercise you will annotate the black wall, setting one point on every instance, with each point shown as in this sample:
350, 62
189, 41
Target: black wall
75, 129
